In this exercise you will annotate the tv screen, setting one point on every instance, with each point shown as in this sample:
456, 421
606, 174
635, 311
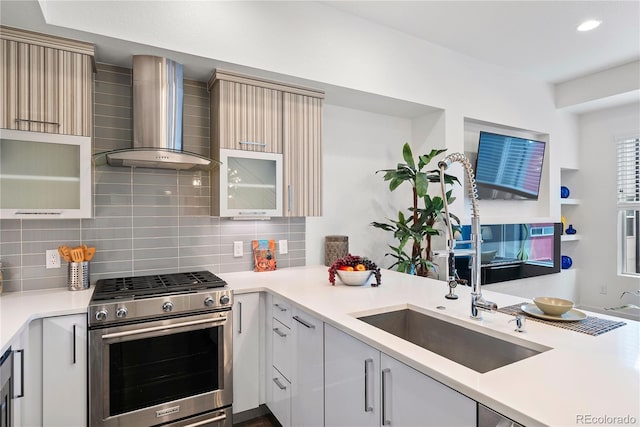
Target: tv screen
508, 167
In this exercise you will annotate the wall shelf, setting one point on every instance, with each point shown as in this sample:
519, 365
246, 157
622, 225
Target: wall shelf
569, 201
569, 237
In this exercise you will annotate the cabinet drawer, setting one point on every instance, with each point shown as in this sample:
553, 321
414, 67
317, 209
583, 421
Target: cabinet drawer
281, 311
282, 342
281, 398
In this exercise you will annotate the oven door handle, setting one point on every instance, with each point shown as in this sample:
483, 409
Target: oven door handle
207, 421
165, 327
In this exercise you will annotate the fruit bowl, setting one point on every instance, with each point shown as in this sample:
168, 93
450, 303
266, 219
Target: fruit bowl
354, 270
354, 278
553, 306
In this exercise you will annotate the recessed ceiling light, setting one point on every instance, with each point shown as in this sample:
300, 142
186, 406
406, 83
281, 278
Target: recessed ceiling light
589, 25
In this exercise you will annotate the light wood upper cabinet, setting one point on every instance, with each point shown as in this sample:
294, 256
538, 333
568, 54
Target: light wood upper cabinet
46, 83
302, 145
247, 117
249, 113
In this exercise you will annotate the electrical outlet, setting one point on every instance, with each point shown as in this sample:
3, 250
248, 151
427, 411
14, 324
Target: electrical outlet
237, 249
283, 247
603, 290
53, 258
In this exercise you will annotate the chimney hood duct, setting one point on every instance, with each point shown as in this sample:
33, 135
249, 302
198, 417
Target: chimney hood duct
157, 119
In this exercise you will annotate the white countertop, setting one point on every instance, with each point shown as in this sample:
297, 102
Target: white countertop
600, 375
17, 309
581, 375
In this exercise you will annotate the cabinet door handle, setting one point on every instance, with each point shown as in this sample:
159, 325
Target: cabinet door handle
304, 322
279, 384
259, 144
368, 364
385, 373
37, 121
74, 344
290, 188
239, 317
39, 213
21, 373
279, 332
279, 307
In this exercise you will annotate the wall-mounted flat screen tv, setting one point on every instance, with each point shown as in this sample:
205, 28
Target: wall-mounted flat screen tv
508, 167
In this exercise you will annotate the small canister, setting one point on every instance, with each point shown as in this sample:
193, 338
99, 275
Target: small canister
78, 276
335, 247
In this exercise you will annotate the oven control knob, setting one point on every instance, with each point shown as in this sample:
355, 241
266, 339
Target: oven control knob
101, 315
167, 306
121, 312
224, 299
208, 301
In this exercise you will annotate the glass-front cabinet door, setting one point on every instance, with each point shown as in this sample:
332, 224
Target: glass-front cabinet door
250, 184
44, 175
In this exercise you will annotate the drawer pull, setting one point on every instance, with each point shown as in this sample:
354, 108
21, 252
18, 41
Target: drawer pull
304, 322
279, 307
279, 384
279, 332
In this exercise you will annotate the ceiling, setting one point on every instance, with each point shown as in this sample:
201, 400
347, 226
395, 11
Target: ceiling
537, 38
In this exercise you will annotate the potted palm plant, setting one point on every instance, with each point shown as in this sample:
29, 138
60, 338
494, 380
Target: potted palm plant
415, 228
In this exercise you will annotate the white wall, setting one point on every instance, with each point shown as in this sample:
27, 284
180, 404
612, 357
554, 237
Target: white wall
595, 218
355, 145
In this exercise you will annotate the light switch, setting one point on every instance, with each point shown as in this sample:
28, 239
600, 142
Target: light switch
237, 249
283, 247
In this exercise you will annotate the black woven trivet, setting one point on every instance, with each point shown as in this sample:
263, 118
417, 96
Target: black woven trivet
590, 326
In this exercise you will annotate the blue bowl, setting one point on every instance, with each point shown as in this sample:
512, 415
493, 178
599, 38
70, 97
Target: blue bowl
567, 262
564, 192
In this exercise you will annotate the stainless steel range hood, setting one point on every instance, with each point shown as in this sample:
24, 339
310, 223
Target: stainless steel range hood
157, 119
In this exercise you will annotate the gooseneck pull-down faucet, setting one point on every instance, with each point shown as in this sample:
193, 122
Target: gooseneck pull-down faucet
478, 303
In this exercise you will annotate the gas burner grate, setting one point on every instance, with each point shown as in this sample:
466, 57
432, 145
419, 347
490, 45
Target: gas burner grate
161, 284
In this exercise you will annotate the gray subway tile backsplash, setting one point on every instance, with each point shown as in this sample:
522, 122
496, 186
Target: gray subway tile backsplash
146, 221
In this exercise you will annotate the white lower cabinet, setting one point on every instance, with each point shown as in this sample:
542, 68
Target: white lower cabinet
295, 391
280, 404
246, 354
364, 387
307, 384
27, 376
410, 398
352, 381
64, 371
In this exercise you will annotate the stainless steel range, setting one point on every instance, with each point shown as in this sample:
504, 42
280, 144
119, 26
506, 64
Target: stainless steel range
160, 351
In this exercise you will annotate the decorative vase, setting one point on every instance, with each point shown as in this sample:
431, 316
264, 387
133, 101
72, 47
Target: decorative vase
564, 192
571, 230
566, 262
335, 247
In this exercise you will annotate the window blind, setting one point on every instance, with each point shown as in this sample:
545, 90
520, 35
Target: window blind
628, 161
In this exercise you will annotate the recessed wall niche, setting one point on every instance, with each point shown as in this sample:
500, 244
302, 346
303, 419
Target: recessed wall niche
509, 211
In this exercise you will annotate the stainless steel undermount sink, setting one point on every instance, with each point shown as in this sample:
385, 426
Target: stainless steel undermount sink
470, 348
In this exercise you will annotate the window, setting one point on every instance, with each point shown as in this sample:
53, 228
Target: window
629, 205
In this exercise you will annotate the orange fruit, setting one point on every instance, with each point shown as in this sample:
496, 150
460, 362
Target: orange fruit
360, 267
346, 268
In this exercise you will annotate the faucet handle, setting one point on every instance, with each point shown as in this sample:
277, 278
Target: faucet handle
520, 322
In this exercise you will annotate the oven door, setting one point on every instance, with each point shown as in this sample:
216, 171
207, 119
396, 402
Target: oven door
161, 371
